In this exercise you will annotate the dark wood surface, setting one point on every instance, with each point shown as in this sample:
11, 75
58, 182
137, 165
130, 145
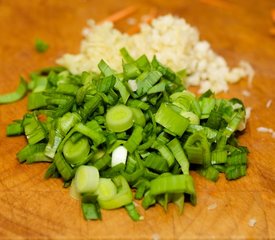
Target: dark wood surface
33, 208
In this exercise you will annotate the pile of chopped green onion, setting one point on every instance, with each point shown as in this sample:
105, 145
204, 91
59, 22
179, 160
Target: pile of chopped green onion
115, 137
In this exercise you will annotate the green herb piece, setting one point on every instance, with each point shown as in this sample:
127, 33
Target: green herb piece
15, 128
41, 46
132, 212
171, 120
19, 93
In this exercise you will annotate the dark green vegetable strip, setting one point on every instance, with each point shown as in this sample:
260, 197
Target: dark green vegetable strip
90, 211
33, 129
65, 170
147, 80
172, 184
64, 124
199, 139
210, 173
138, 104
156, 163
113, 172
207, 105
31, 151
105, 69
234, 172
15, 128
51, 171
218, 157
130, 71
143, 63
142, 186
132, 212
170, 119
135, 139
148, 200
124, 93
133, 177
166, 72
165, 153
17, 95
233, 125
179, 154
102, 162
126, 55
163, 200
94, 135
37, 100
90, 106
195, 154
106, 84
178, 199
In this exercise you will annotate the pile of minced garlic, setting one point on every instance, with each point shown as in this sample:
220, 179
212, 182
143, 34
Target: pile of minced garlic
172, 40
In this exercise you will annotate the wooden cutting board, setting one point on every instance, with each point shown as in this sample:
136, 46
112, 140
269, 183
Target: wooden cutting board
33, 208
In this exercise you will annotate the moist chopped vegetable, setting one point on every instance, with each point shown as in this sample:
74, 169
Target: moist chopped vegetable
105, 135
16, 95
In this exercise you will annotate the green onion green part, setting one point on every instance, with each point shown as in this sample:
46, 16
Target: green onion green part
105, 134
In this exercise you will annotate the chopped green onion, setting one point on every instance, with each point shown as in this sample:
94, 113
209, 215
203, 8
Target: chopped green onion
107, 133
148, 200
33, 129
17, 95
218, 157
103, 162
171, 120
73, 191
132, 212
156, 162
105, 69
234, 172
41, 46
165, 153
113, 171
65, 170
179, 154
119, 118
198, 141
76, 153
147, 80
135, 139
33, 153
86, 179
90, 208
123, 91
126, 55
15, 128
178, 199
119, 155
130, 71
210, 173
139, 117
106, 189
122, 197
172, 184
143, 63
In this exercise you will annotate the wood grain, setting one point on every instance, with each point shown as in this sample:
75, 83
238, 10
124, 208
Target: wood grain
32, 208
